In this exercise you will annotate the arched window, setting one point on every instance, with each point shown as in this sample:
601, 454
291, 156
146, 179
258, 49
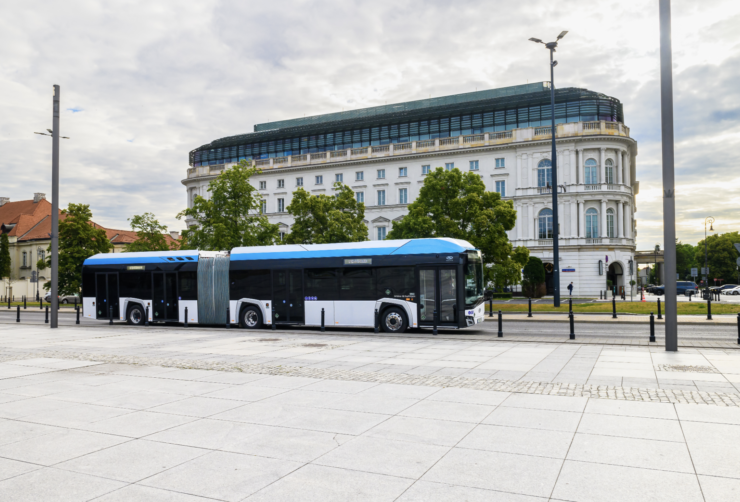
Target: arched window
609, 164
610, 223
545, 224
592, 224
591, 174
544, 173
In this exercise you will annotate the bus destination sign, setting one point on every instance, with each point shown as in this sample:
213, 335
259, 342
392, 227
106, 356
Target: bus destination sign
358, 261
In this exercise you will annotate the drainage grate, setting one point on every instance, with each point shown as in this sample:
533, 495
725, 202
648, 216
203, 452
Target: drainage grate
686, 368
314, 345
268, 340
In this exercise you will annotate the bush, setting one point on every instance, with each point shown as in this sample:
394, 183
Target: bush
533, 277
506, 296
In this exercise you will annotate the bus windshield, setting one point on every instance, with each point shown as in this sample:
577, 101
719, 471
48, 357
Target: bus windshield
473, 279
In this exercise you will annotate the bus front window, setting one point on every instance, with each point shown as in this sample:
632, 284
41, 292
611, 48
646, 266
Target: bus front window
473, 279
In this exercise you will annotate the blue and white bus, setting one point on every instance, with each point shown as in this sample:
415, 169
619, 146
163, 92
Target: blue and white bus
407, 281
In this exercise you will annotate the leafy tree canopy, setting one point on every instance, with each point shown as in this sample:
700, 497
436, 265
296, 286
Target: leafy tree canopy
721, 257
533, 275
78, 240
323, 219
4, 256
456, 204
149, 233
231, 217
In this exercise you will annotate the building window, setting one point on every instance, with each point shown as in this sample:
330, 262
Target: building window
299, 182
360, 196
610, 223
381, 197
319, 180
449, 166
282, 236
281, 205
42, 254
281, 184
501, 188
424, 170
473, 165
381, 233
25, 259
359, 176
263, 185
544, 173
591, 175
381, 174
402, 172
339, 178
263, 206
545, 224
592, 224
609, 165
500, 163
403, 195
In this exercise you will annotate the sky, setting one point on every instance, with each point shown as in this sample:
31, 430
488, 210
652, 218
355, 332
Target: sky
143, 83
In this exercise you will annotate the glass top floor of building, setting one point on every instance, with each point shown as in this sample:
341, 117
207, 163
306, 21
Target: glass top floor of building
477, 112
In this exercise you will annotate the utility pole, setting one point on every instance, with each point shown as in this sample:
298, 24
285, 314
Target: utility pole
55, 212
669, 200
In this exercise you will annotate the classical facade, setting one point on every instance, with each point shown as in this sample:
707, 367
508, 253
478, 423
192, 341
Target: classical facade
384, 153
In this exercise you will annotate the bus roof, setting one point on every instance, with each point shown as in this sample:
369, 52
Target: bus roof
143, 257
350, 249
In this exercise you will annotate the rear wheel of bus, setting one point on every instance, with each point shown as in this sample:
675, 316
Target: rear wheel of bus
393, 320
251, 318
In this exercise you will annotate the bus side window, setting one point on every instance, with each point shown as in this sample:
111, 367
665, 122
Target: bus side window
136, 285
396, 282
253, 284
188, 285
88, 284
321, 284
358, 284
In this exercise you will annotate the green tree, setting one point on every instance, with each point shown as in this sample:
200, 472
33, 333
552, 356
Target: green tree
685, 259
721, 257
149, 234
78, 240
231, 217
533, 275
326, 219
4, 257
456, 204
509, 272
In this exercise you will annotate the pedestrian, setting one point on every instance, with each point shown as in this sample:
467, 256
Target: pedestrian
570, 289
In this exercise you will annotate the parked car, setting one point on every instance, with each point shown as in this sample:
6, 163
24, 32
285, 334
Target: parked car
658, 290
63, 299
682, 288
732, 291
725, 287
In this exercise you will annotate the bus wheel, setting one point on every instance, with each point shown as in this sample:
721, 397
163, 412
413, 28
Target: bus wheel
393, 320
251, 318
135, 315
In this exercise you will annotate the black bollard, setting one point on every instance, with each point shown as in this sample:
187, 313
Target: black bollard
228, 318
530, 308
709, 309
186, 317
110, 314
652, 327
690, 295
24, 303
572, 326
434, 327
41, 303
614, 308
47, 315
8, 302
500, 325
322, 320
490, 307
570, 305
660, 315
375, 322
738, 329
599, 294
18, 316
77, 309
146, 319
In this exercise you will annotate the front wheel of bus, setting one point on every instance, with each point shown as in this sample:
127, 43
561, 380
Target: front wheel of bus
251, 318
135, 315
393, 320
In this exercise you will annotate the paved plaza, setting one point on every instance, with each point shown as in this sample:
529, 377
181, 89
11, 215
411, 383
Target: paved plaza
114, 413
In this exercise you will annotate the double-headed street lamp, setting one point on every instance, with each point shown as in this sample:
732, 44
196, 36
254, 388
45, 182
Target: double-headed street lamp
551, 46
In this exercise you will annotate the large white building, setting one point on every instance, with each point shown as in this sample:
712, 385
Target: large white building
383, 153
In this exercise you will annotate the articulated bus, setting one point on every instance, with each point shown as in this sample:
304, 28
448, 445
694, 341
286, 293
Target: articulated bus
407, 281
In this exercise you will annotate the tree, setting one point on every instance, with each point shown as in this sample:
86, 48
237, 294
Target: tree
149, 234
231, 217
323, 219
685, 259
508, 273
533, 275
721, 256
4, 256
78, 240
453, 204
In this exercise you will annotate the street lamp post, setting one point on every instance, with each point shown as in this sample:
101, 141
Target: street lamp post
710, 220
552, 46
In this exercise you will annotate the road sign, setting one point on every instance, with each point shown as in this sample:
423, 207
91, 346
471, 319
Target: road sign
705, 271
693, 272
34, 278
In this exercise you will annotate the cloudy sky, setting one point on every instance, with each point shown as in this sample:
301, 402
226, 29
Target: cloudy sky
145, 82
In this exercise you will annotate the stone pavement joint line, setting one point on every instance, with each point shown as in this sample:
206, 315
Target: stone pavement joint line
522, 387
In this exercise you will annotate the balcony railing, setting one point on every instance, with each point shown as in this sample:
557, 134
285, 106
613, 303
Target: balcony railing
593, 241
449, 141
427, 143
381, 149
543, 131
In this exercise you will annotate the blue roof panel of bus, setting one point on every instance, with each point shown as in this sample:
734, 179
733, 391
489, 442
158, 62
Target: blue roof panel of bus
351, 249
142, 258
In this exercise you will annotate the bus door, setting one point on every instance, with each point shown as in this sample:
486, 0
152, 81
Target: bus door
287, 296
106, 295
164, 296
438, 291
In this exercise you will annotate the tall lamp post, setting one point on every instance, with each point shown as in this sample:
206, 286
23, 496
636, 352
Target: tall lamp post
710, 220
551, 46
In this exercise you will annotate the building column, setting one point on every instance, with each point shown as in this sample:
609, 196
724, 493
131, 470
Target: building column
582, 215
574, 219
619, 166
602, 165
620, 219
518, 223
532, 222
602, 230
581, 166
626, 164
628, 221
573, 171
519, 171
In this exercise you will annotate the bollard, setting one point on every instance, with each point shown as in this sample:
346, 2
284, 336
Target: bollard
709, 309
8, 302
110, 314
434, 327
41, 303
18, 316
690, 295
570, 305
375, 322
24, 303
614, 308
186, 317
490, 307
228, 319
660, 315
322, 320
599, 294
500, 327
530, 308
77, 309
652, 327
572, 326
47, 315
273, 323
146, 319
738, 329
